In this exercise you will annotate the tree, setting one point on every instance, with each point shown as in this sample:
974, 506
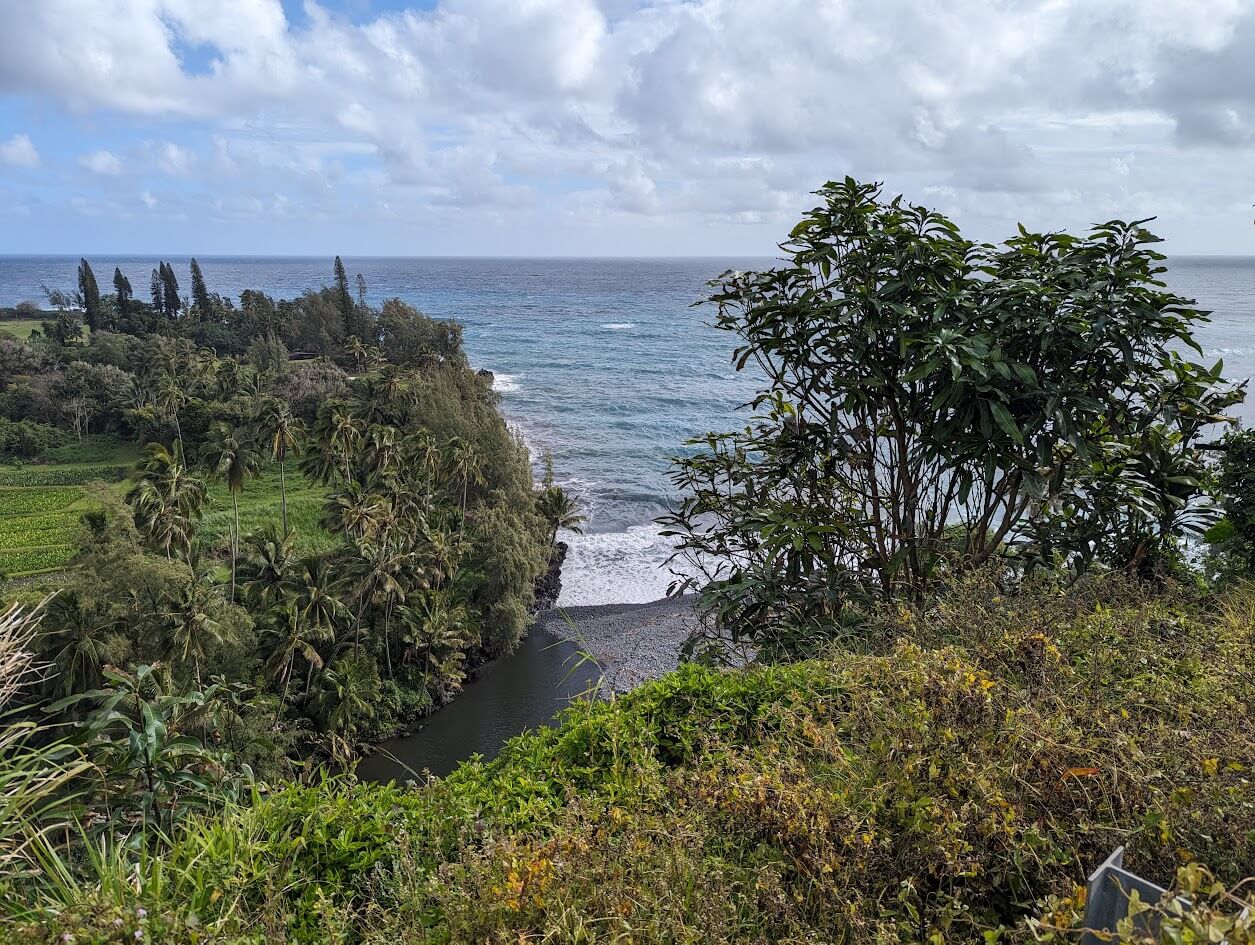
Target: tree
931, 403
349, 690
232, 461
157, 288
192, 623
122, 286
167, 501
281, 432
267, 561
287, 641
310, 590
82, 639
557, 506
171, 302
200, 293
90, 293
344, 299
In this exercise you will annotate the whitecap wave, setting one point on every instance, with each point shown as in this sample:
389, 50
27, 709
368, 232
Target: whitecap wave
627, 567
618, 326
505, 383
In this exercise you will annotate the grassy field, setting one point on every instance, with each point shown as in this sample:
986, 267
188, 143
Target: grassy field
19, 328
41, 505
259, 506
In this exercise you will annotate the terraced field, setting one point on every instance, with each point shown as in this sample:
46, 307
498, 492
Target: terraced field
41, 506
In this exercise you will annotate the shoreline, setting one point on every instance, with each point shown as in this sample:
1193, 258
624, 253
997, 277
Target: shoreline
630, 643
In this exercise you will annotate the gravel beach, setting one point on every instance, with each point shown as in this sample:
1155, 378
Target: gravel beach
632, 643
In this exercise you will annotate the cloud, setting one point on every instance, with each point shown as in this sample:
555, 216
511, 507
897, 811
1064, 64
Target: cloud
102, 162
689, 114
19, 151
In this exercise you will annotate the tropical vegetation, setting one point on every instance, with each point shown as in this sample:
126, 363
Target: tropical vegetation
983, 553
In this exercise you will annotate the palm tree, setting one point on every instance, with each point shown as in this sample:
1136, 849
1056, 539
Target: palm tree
167, 500
348, 691
438, 630
192, 623
233, 461
287, 639
310, 591
281, 431
267, 561
560, 509
381, 574
82, 641
170, 398
463, 459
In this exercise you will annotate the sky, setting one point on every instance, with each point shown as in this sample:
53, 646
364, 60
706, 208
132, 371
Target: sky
611, 127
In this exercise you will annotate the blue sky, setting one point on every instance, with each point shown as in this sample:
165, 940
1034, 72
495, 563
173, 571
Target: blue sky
676, 127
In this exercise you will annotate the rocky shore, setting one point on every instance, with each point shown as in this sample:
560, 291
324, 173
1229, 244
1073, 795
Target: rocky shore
631, 643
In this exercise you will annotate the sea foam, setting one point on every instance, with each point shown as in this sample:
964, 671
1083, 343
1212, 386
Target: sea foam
627, 567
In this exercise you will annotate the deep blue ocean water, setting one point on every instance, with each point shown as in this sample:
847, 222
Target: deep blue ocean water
602, 361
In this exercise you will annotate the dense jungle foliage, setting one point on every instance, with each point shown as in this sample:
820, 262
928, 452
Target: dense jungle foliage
308, 555
986, 545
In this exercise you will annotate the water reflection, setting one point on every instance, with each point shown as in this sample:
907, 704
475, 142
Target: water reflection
511, 695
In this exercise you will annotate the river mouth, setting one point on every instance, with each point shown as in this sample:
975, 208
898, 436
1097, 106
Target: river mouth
509, 696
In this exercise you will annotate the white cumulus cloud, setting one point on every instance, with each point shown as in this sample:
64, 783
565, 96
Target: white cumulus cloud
19, 151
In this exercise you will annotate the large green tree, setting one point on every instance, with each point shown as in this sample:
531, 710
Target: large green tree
90, 292
931, 403
233, 461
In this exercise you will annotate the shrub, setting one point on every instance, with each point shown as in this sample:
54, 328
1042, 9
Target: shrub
909, 792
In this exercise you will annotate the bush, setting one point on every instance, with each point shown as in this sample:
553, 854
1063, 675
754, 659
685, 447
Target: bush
28, 439
1233, 537
908, 792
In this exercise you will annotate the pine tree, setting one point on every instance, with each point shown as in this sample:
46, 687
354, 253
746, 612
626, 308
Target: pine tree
361, 290
200, 294
343, 298
173, 303
122, 285
91, 294
158, 290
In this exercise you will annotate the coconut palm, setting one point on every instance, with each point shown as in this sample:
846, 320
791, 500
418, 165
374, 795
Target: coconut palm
167, 500
560, 509
462, 461
310, 590
267, 561
81, 640
232, 461
348, 691
287, 639
169, 398
191, 623
281, 432
437, 631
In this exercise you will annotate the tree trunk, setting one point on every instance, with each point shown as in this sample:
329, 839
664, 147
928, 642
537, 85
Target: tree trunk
283, 495
235, 538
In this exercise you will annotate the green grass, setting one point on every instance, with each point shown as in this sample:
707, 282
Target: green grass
34, 560
28, 531
25, 501
19, 328
259, 506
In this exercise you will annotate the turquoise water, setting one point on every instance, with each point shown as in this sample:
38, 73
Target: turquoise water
602, 361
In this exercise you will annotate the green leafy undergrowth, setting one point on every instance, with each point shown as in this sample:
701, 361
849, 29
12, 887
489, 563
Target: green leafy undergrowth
941, 783
63, 475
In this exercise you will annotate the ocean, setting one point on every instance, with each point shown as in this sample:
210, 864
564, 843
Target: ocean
603, 362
